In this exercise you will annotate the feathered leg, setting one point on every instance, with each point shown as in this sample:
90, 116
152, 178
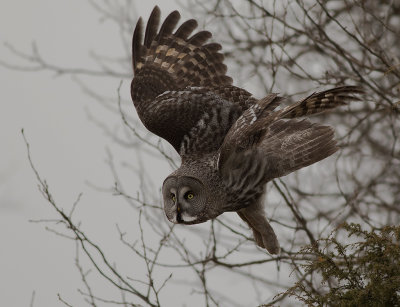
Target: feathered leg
264, 235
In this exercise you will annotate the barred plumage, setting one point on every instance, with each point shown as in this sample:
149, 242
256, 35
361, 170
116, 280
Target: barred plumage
231, 144
322, 101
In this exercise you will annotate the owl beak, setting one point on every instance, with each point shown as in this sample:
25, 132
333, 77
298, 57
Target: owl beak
178, 214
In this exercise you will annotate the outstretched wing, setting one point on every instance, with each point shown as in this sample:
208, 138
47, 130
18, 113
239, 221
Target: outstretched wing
291, 145
167, 61
194, 120
263, 144
322, 101
179, 79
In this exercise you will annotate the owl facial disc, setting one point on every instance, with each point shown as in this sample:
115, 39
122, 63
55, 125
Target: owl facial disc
184, 199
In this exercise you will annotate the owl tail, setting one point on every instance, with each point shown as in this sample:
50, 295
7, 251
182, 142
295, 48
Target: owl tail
172, 61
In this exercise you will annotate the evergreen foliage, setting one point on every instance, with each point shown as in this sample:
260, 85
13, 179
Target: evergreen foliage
363, 273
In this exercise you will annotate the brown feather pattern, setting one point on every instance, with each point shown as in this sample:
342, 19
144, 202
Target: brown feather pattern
322, 101
228, 140
186, 29
183, 61
152, 26
136, 43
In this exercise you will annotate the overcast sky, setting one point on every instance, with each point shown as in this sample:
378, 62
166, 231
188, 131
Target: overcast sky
67, 149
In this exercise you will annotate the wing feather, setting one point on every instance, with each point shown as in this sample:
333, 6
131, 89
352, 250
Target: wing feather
322, 101
176, 73
287, 146
169, 25
173, 61
137, 44
200, 38
152, 26
264, 144
193, 121
186, 29
177, 82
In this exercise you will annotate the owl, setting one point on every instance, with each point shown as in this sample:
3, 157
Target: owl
230, 143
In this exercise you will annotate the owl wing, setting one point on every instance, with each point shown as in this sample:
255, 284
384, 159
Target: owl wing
264, 144
180, 80
322, 101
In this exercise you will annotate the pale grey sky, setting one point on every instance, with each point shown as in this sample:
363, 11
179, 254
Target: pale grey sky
67, 149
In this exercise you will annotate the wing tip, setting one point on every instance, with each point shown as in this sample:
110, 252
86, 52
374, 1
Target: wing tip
186, 28
184, 58
168, 24
156, 11
152, 26
137, 43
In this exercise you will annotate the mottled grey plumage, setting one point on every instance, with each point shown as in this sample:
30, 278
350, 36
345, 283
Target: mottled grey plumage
231, 144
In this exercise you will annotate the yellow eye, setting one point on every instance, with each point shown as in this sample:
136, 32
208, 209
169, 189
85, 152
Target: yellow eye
173, 197
189, 195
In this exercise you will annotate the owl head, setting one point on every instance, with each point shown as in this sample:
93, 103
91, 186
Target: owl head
185, 200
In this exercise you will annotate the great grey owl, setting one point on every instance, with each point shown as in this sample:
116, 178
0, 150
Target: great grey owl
231, 144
